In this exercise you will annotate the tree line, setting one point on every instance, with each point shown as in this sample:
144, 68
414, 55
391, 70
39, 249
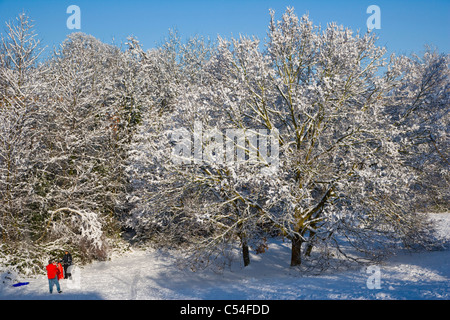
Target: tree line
88, 137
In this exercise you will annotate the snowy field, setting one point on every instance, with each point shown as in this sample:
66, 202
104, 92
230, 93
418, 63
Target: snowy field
154, 275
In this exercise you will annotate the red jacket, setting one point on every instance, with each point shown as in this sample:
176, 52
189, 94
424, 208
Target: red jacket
52, 271
60, 271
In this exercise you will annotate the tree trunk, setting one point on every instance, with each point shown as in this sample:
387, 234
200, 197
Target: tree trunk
310, 245
245, 253
296, 251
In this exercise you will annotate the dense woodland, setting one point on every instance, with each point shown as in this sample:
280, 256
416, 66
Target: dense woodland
87, 140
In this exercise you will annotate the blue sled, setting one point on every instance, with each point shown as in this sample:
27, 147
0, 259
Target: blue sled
20, 284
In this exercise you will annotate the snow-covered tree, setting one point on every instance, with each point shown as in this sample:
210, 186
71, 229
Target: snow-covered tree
420, 110
340, 172
92, 110
20, 104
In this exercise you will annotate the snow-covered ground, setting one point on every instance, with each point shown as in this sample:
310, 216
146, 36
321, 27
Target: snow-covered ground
155, 275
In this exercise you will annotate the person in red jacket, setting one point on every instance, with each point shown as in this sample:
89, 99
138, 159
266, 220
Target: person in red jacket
60, 271
52, 275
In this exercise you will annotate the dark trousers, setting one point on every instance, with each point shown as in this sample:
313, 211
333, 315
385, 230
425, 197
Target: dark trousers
66, 275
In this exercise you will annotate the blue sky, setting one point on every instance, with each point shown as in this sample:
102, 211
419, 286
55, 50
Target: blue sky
406, 26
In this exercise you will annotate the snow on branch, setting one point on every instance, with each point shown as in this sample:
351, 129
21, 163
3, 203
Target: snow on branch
81, 224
